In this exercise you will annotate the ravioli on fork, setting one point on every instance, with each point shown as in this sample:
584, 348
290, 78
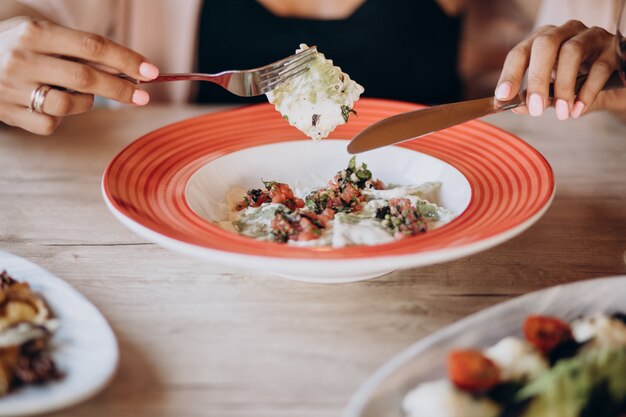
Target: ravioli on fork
318, 100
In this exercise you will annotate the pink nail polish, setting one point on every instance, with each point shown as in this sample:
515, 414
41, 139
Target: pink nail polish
562, 109
503, 91
578, 109
140, 98
148, 70
535, 105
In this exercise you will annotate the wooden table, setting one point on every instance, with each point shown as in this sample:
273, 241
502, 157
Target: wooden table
203, 340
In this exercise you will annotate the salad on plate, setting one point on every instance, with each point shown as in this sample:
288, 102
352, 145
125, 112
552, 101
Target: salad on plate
575, 369
353, 208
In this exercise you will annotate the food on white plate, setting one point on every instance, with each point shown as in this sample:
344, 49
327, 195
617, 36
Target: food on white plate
318, 100
352, 209
558, 369
26, 326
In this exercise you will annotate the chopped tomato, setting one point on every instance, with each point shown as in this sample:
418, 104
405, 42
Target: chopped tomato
253, 198
335, 183
309, 230
350, 193
279, 193
398, 205
545, 333
282, 194
404, 219
329, 213
470, 370
334, 202
377, 184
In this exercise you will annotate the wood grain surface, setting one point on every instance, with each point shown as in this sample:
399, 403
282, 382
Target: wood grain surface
203, 340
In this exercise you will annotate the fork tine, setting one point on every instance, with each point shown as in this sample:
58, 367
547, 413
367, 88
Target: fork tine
285, 73
269, 86
270, 78
268, 70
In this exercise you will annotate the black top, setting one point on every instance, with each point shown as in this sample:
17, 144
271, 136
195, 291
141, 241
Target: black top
396, 49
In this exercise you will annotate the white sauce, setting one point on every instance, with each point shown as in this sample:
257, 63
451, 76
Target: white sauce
25, 332
315, 101
517, 359
442, 399
601, 331
347, 232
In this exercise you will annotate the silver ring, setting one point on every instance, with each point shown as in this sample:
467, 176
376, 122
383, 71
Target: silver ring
37, 98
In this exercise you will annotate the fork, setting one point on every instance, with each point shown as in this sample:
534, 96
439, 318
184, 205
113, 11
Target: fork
246, 83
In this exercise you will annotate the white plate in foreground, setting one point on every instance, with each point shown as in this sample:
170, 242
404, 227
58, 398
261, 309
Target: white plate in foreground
84, 348
382, 394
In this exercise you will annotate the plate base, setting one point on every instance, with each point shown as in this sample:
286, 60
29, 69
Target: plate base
330, 279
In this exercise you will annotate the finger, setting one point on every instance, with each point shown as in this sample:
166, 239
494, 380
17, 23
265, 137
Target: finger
61, 103
611, 100
513, 71
48, 38
522, 110
599, 74
543, 56
56, 102
19, 116
82, 78
515, 65
572, 55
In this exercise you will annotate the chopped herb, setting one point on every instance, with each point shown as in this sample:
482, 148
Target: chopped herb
619, 316
345, 112
312, 205
269, 184
586, 385
505, 392
255, 194
352, 164
6, 280
382, 212
315, 119
427, 209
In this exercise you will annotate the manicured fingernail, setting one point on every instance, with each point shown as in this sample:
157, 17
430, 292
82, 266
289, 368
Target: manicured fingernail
503, 90
578, 109
149, 70
535, 105
140, 98
562, 109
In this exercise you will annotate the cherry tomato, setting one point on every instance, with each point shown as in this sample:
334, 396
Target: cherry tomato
470, 370
545, 333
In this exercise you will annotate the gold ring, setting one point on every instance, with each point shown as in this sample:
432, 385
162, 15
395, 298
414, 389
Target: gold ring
37, 98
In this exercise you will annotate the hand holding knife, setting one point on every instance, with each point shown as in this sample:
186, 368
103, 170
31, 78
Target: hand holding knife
413, 124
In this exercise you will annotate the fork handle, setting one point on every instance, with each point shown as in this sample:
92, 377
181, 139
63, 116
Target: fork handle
174, 77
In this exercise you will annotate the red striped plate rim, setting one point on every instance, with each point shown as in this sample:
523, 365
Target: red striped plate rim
510, 181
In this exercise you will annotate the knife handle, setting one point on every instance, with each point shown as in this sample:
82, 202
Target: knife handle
614, 82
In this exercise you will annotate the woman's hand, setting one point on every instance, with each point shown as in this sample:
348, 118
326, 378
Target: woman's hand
36, 52
563, 51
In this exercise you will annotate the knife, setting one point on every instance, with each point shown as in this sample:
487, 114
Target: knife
413, 124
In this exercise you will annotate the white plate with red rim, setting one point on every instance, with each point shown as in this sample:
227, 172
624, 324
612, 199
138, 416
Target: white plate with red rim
382, 394
84, 348
169, 186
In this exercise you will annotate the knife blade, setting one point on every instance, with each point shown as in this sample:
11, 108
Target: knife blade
413, 124
417, 123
